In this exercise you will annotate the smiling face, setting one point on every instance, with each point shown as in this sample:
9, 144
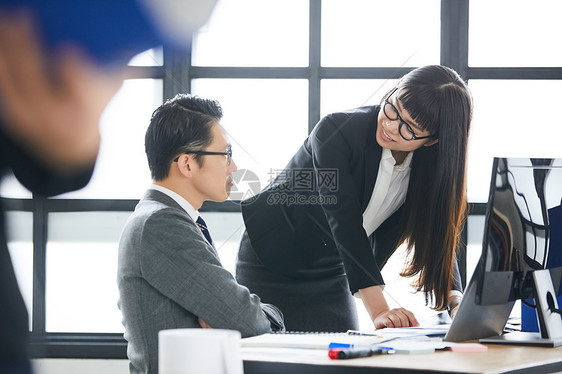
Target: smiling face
388, 130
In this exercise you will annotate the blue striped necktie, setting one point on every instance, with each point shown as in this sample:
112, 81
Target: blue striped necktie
203, 226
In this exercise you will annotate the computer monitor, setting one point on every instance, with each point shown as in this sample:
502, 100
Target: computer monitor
521, 255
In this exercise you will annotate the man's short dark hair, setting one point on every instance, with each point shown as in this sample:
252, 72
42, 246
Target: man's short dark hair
180, 124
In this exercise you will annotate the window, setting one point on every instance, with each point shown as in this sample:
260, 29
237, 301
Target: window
277, 67
19, 233
121, 169
366, 33
358, 92
254, 33
514, 74
81, 267
512, 118
260, 115
515, 33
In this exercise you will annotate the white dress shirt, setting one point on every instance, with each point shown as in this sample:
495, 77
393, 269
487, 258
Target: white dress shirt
194, 214
390, 190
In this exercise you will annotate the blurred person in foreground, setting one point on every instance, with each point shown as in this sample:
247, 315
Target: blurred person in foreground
49, 139
55, 82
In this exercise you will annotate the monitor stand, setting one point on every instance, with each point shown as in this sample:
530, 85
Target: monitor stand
550, 319
523, 338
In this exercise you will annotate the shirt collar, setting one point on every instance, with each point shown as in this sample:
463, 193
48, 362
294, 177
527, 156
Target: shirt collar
387, 157
194, 214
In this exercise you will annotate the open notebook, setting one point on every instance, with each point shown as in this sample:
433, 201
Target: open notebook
308, 340
312, 340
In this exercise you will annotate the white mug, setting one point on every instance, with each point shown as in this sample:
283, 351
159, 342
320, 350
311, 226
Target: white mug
199, 351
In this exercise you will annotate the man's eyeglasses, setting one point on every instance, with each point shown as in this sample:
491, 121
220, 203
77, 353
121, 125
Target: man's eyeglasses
406, 132
228, 154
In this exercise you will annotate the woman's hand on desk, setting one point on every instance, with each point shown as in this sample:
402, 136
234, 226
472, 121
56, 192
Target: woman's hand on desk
398, 317
381, 314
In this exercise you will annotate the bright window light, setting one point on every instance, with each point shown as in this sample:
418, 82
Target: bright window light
366, 33
266, 120
512, 118
254, 33
122, 170
515, 33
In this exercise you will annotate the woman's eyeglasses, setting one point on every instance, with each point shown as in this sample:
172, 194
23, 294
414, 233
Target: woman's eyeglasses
228, 154
406, 132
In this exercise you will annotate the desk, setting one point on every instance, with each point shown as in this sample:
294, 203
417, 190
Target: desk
498, 359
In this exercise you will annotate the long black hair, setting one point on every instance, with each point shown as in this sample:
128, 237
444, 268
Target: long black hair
439, 101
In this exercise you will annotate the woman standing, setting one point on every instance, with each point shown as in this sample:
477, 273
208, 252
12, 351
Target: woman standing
365, 181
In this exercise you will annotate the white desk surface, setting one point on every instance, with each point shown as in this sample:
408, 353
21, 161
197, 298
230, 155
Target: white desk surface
498, 359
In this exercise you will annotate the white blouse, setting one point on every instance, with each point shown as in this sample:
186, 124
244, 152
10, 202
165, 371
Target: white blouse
390, 190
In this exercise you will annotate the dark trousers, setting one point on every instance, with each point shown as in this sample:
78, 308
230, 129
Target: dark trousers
318, 299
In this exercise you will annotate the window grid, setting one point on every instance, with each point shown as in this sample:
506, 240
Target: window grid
177, 74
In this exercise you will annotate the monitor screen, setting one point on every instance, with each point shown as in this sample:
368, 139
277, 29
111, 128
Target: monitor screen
522, 238
522, 230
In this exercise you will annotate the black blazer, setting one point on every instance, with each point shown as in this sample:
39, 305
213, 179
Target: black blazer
290, 235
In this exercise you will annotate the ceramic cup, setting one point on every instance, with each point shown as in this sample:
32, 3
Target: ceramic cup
199, 351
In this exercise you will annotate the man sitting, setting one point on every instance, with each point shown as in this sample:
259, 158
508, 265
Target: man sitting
169, 272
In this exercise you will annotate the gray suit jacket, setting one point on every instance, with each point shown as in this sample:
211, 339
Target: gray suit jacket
169, 275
